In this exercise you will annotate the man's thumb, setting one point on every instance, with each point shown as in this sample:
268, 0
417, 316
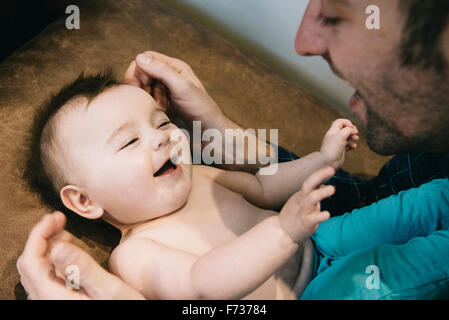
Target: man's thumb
158, 69
80, 268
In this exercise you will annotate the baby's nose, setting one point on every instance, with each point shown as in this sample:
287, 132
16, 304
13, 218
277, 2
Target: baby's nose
161, 139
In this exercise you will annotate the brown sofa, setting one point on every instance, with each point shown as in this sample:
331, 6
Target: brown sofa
111, 34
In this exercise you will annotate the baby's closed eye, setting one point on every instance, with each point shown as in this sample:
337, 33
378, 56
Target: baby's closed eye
165, 123
132, 141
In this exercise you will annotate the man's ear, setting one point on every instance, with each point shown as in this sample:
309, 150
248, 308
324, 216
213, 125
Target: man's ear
78, 201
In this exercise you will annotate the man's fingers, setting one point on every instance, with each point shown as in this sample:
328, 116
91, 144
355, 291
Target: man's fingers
317, 178
40, 281
137, 77
178, 65
93, 279
62, 235
172, 72
160, 94
130, 76
144, 79
49, 225
158, 69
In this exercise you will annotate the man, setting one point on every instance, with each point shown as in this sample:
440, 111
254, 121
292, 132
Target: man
402, 97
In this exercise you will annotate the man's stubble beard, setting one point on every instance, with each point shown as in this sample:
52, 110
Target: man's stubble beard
384, 137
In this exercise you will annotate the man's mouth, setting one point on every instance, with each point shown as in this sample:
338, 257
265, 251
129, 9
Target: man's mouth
355, 100
167, 168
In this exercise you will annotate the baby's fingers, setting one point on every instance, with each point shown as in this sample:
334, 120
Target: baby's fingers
317, 178
351, 142
314, 219
315, 197
339, 124
351, 146
349, 133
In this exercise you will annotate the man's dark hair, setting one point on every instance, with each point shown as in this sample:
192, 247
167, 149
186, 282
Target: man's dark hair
36, 174
425, 23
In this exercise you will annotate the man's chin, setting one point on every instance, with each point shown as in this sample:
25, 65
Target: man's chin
379, 147
387, 142
382, 137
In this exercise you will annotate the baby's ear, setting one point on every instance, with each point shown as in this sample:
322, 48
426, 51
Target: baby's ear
79, 202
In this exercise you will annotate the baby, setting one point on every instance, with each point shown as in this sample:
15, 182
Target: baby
103, 150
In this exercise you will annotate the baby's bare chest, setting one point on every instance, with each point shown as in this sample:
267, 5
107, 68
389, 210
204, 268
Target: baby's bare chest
213, 216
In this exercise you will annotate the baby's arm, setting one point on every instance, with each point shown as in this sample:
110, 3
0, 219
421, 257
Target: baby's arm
272, 191
232, 270
289, 176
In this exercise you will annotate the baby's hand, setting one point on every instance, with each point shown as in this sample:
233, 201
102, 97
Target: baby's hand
339, 138
302, 213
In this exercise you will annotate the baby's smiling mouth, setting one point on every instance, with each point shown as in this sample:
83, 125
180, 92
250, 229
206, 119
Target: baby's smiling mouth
165, 169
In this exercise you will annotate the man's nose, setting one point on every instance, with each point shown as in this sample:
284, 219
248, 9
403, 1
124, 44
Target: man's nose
310, 40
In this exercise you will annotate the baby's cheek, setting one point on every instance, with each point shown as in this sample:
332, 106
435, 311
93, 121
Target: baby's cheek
123, 179
133, 182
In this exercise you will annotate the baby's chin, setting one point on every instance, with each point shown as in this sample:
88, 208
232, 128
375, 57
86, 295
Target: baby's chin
178, 203
175, 203
165, 201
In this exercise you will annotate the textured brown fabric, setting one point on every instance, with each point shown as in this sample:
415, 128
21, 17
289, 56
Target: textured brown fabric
111, 34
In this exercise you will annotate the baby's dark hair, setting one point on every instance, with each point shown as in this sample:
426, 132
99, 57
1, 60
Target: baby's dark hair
40, 173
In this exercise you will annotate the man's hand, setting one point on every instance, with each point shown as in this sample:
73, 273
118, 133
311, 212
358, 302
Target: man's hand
48, 252
302, 214
339, 138
190, 101
188, 96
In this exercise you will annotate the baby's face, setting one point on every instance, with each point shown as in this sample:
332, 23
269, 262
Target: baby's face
120, 149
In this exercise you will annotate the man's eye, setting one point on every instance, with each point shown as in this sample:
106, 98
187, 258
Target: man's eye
129, 143
329, 22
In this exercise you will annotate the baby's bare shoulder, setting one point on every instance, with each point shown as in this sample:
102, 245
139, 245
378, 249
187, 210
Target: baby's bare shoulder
138, 261
126, 250
132, 254
205, 171
209, 172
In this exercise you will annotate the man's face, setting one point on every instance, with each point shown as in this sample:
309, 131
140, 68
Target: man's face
120, 148
404, 109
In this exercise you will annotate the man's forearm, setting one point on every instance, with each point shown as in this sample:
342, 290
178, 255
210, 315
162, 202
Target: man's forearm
241, 150
235, 269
